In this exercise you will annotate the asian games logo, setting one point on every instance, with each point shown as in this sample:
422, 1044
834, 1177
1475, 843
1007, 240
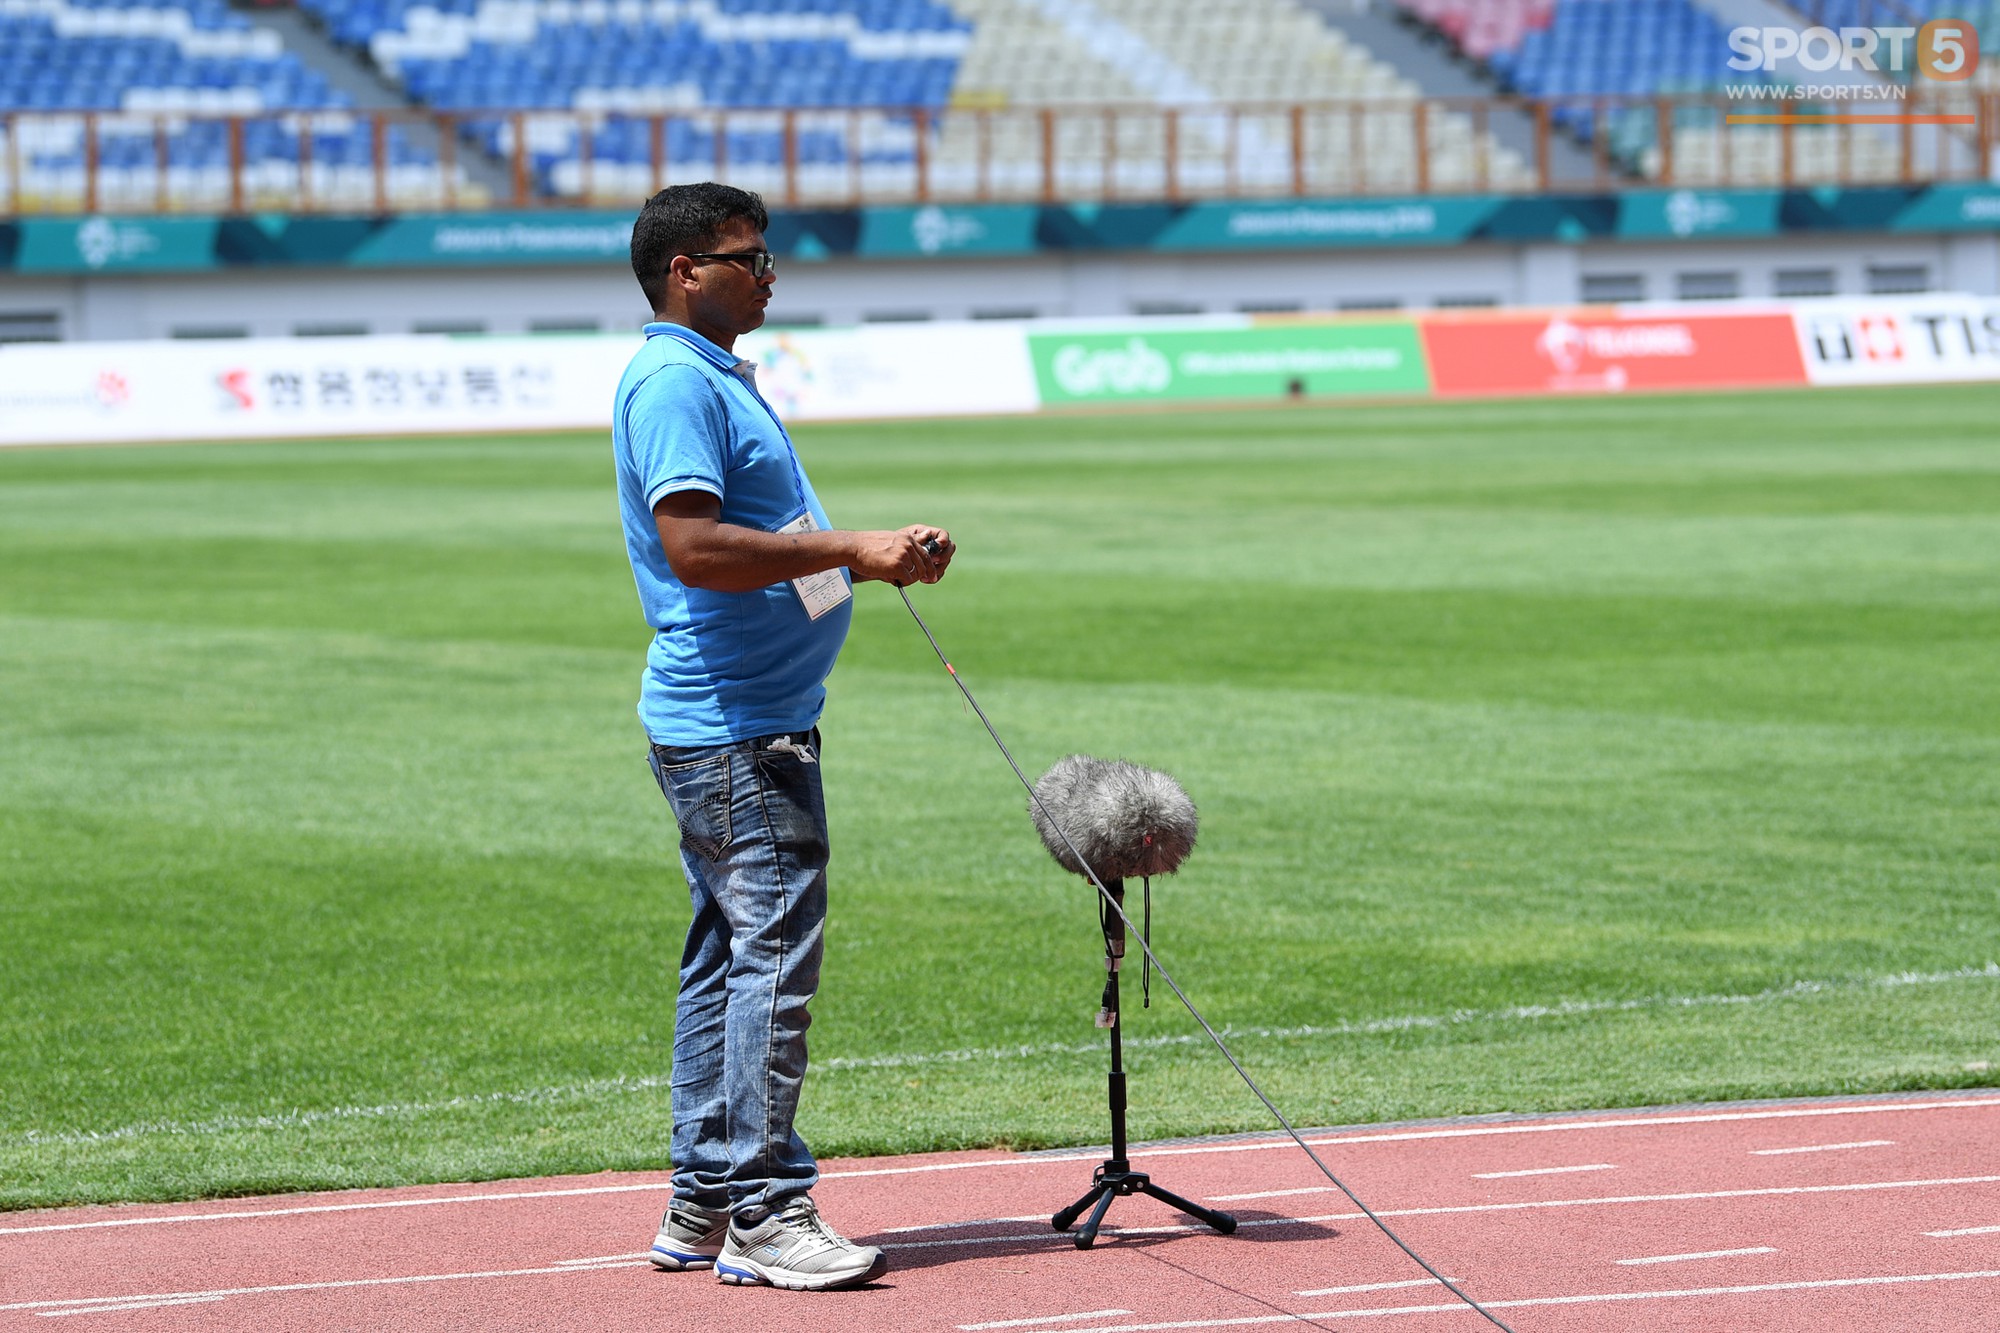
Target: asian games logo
785, 374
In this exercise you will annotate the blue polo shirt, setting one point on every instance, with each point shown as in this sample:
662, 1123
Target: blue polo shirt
723, 666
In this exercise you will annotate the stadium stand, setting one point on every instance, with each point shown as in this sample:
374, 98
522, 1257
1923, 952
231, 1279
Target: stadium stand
1483, 28
1593, 60
831, 100
1192, 55
627, 59
146, 72
976, 75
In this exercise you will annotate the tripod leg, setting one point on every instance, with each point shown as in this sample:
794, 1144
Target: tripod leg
1222, 1222
1066, 1219
1088, 1236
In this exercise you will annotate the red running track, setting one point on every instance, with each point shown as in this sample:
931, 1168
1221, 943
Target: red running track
1856, 1214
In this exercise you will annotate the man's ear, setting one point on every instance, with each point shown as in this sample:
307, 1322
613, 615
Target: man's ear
680, 272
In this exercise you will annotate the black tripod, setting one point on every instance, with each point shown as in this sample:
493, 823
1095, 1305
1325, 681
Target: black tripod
1116, 1176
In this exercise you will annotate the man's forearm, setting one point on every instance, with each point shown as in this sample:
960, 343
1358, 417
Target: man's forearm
725, 557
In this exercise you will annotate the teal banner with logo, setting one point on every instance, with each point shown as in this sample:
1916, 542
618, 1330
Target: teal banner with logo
1686, 215
562, 236
116, 245
1318, 224
450, 239
940, 230
1952, 208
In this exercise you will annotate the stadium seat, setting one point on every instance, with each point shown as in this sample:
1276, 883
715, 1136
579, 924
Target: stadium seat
158, 79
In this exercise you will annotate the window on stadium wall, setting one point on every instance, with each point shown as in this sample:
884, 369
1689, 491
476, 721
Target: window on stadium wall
1898, 279
1610, 288
1717, 286
1805, 282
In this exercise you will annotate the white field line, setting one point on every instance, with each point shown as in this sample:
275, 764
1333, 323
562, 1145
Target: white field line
1964, 1231
595, 1089
1542, 1171
1822, 1147
1044, 1319
1703, 1254
1525, 1302
1371, 1286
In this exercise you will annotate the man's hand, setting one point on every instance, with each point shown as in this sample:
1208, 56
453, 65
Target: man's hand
916, 554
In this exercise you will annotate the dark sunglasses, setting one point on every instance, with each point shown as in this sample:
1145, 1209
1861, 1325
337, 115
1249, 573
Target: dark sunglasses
760, 261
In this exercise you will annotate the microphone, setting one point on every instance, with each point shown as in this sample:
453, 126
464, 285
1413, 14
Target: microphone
1123, 818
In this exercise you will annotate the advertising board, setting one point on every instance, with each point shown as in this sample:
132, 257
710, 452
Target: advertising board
59, 393
1900, 340
1222, 361
1611, 350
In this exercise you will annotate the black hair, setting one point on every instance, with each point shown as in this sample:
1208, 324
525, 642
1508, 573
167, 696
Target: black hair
686, 220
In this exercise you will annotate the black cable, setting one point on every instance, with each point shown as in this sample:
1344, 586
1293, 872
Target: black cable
1145, 945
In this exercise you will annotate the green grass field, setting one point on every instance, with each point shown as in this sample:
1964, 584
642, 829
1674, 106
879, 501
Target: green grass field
1550, 754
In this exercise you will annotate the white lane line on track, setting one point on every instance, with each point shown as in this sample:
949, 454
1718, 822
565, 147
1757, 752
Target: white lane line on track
124, 1306
1822, 1147
178, 1297
1411, 1135
1269, 1194
622, 1084
1522, 1206
1596, 1298
953, 1226
1700, 1254
1043, 1319
1370, 1286
1542, 1171
1964, 1231
250, 1214
601, 1259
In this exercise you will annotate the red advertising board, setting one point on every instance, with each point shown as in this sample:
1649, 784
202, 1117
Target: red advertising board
1610, 351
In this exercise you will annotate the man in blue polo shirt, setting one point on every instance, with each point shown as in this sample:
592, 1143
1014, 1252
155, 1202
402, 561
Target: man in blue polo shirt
748, 588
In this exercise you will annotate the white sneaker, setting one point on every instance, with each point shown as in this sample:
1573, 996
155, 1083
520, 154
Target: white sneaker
690, 1237
794, 1248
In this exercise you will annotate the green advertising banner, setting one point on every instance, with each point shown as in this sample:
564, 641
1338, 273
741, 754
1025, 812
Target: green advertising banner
1372, 358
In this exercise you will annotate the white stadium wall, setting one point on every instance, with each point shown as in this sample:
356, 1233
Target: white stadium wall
73, 393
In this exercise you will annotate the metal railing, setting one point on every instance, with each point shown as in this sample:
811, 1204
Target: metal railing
391, 161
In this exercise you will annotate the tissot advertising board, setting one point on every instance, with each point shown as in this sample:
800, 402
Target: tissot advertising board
1901, 340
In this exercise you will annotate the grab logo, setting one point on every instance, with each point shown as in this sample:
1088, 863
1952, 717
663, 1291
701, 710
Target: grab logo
1136, 368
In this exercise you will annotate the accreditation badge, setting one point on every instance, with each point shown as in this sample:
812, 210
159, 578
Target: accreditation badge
820, 592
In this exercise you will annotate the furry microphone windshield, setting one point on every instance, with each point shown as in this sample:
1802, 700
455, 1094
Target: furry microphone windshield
1125, 820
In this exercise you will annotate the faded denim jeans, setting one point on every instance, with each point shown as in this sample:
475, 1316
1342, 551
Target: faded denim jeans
753, 843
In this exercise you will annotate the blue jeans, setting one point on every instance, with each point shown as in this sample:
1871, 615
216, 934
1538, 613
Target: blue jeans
753, 843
